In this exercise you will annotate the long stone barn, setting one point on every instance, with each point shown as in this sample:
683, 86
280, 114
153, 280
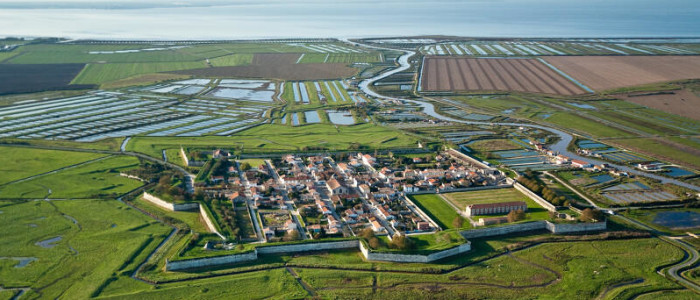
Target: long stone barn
495, 208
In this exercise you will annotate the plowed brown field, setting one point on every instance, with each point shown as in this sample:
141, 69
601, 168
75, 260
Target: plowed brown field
682, 102
609, 72
493, 74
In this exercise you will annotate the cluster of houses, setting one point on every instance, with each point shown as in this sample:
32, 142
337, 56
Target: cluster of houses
342, 195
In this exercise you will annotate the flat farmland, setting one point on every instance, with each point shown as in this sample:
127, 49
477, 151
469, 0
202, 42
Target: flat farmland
494, 74
609, 72
683, 102
28, 78
279, 66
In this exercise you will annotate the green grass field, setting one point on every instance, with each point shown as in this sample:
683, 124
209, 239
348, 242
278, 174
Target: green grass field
655, 148
108, 241
463, 199
190, 218
274, 284
279, 138
232, 60
7, 55
563, 270
97, 179
438, 210
18, 162
111, 144
572, 121
104, 73
487, 145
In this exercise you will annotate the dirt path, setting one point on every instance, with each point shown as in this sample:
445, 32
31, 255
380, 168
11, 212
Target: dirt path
435, 285
55, 171
303, 284
617, 285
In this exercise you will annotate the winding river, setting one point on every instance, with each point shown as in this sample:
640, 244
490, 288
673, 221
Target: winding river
560, 146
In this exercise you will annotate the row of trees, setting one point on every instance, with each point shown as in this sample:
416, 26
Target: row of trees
546, 193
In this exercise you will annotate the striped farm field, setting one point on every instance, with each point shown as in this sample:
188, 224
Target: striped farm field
493, 74
462, 199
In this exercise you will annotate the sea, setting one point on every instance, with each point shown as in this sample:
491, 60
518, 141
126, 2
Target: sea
262, 19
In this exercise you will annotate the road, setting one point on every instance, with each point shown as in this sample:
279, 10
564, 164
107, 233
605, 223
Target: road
560, 146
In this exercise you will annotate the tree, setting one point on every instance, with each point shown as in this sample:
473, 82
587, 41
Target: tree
402, 242
245, 166
458, 222
591, 215
516, 215
367, 233
374, 243
292, 235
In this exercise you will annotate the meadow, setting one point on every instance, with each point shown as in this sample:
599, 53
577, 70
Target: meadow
100, 241
97, 179
18, 162
106, 73
278, 138
438, 210
463, 199
181, 219
549, 270
657, 148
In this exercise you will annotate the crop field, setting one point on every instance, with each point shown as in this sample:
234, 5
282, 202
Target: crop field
536, 48
232, 60
19, 162
438, 210
472, 74
658, 149
682, 102
103, 73
609, 72
280, 138
464, 199
130, 53
107, 64
487, 145
28, 78
69, 250
277, 66
581, 124
96, 179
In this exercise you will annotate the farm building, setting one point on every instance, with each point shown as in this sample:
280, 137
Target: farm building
495, 208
